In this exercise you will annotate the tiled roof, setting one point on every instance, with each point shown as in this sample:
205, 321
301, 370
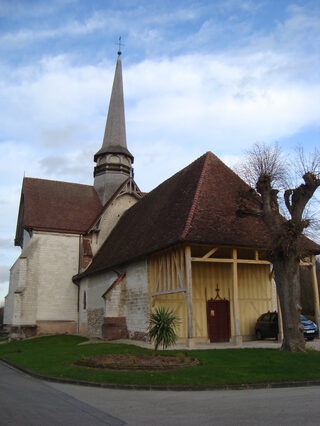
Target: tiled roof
196, 205
59, 206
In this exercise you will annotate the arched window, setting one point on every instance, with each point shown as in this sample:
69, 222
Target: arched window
84, 300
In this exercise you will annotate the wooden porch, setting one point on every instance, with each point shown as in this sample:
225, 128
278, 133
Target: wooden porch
185, 278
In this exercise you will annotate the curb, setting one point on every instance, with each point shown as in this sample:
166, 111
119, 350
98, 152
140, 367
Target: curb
272, 385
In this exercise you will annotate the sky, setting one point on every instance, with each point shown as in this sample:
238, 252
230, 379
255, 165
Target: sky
198, 76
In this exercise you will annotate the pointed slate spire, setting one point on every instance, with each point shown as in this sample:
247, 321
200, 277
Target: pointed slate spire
114, 160
115, 140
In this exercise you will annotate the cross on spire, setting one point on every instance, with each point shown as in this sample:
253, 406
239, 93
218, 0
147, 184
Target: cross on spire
119, 46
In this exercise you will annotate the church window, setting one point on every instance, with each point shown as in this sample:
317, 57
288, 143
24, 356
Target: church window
84, 300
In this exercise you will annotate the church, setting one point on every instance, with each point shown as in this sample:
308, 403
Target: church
96, 260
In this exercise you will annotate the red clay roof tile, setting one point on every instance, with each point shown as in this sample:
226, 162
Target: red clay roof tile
196, 205
59, 206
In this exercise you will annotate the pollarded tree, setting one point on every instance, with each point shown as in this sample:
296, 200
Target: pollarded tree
266, 170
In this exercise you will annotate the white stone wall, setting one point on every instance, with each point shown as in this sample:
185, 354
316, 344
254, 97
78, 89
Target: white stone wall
20, 307
9, 299
41, 287
26, 239
137, 297
58, 261
30, 282
95, 286
115, 300
110, 218
129, 298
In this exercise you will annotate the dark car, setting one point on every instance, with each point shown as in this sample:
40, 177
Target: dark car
267, 326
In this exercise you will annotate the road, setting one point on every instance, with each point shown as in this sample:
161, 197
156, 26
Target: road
28, 401
25, 401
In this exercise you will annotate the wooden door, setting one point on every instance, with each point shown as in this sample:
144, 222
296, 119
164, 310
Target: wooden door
218, 316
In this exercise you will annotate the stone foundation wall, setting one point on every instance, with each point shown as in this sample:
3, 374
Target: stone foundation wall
138, 335
57, 327
22, 331
83, 329
95, 322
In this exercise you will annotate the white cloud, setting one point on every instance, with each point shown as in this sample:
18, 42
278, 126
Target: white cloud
72, 29
5, 243
4, 273
213, 102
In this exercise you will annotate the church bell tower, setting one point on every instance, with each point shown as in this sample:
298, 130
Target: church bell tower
114, 160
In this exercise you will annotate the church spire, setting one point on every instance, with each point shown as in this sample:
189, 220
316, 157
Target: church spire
113, 159
115, 140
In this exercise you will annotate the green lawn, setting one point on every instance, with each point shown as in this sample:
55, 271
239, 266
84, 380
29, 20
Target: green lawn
55, 355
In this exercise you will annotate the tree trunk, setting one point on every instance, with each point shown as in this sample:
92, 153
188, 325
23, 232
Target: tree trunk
288, 286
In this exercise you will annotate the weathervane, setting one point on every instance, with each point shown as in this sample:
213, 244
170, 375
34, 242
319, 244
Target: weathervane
119, 46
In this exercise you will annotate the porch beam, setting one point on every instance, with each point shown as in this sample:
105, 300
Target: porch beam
237, 338
187, 254
211, 260
315, 291
161, 293
224, 260
212, 251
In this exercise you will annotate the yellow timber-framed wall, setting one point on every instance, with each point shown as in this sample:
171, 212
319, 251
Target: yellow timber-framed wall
184, 278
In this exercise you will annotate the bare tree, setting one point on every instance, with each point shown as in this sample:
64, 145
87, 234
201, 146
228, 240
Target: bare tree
266, 170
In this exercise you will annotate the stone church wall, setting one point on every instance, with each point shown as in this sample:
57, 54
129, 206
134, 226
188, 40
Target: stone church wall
137, 299
57, 294
92, 318
128, 299
110, 218
41, 291
20, 307
10, 298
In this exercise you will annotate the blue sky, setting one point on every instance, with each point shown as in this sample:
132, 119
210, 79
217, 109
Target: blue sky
198, 76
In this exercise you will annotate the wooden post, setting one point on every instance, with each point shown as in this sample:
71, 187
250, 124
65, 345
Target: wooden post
315, 291
187, 254
237, 338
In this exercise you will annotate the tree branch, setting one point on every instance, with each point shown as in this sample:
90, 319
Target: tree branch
302, 195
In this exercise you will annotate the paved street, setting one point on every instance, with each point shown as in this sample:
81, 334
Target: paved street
25, 401
292, 406
28, 401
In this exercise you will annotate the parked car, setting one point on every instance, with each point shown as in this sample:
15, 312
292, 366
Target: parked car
267, 326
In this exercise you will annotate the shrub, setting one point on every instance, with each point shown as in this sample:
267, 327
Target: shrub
162, 327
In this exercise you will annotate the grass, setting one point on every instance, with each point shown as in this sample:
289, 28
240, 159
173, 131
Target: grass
55, 356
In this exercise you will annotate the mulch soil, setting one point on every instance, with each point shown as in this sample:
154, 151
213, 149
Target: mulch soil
141, 362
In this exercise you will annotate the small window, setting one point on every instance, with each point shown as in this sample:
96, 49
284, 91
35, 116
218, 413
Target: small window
84, 300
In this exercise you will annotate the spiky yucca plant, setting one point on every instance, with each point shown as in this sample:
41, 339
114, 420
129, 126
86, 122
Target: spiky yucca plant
162, 327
